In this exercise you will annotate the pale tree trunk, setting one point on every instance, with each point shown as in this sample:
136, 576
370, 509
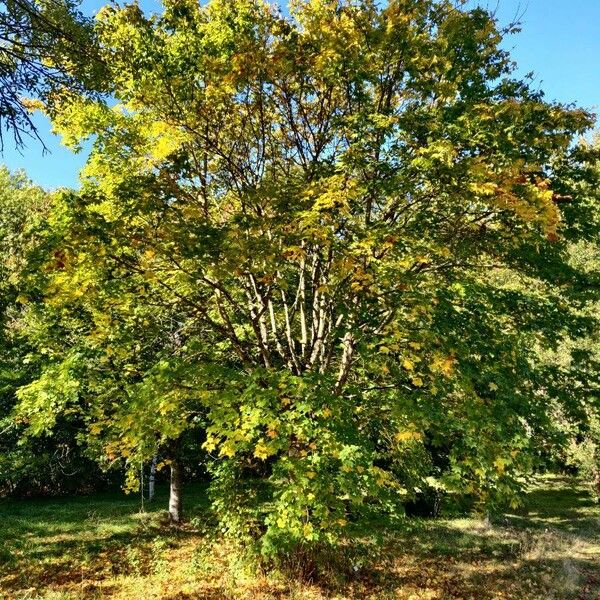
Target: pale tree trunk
151, 478
175, 491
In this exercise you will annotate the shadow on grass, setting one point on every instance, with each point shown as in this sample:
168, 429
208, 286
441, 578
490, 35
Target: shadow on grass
547, 552
527, 555
457, 577
561, 503
56, 541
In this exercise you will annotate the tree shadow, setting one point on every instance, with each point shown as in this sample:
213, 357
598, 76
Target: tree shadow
562, 504
527, 554
49, 542
531, 555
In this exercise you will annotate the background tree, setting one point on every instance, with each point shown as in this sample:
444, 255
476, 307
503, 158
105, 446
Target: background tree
102, 352
52, 464
44, 45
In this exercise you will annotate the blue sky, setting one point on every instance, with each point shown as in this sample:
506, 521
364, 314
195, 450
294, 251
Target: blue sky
559, 42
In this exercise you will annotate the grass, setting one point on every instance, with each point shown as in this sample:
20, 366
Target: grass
103, 546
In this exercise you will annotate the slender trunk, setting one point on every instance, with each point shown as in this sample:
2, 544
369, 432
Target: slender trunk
151, 478
175, 491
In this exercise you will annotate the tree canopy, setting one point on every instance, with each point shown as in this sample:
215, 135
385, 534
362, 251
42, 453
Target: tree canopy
44, 45
339, 244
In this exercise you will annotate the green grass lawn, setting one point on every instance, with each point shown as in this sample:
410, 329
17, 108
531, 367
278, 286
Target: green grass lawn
103, 546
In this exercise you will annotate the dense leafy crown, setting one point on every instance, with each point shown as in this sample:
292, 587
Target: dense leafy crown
336, 240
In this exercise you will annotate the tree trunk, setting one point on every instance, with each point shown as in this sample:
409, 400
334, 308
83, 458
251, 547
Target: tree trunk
175, 491
151, 478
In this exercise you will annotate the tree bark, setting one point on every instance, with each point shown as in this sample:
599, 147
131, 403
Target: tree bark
175, 491
151, 478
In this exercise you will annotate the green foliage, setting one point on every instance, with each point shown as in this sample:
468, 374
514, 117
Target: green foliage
46, 45
47, 464
584, 454
336, 243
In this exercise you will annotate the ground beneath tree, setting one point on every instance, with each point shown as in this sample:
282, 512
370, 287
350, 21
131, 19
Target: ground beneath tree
103, 546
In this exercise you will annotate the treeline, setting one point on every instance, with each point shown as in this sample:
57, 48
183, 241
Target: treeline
333, 261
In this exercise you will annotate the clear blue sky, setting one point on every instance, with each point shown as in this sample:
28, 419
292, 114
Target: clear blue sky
559, 42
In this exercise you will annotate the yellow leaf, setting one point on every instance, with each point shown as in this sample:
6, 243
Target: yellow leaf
210, 444
442, 364
262, 451
408, 365
405, 436
308, 531
227, 449
96, 428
